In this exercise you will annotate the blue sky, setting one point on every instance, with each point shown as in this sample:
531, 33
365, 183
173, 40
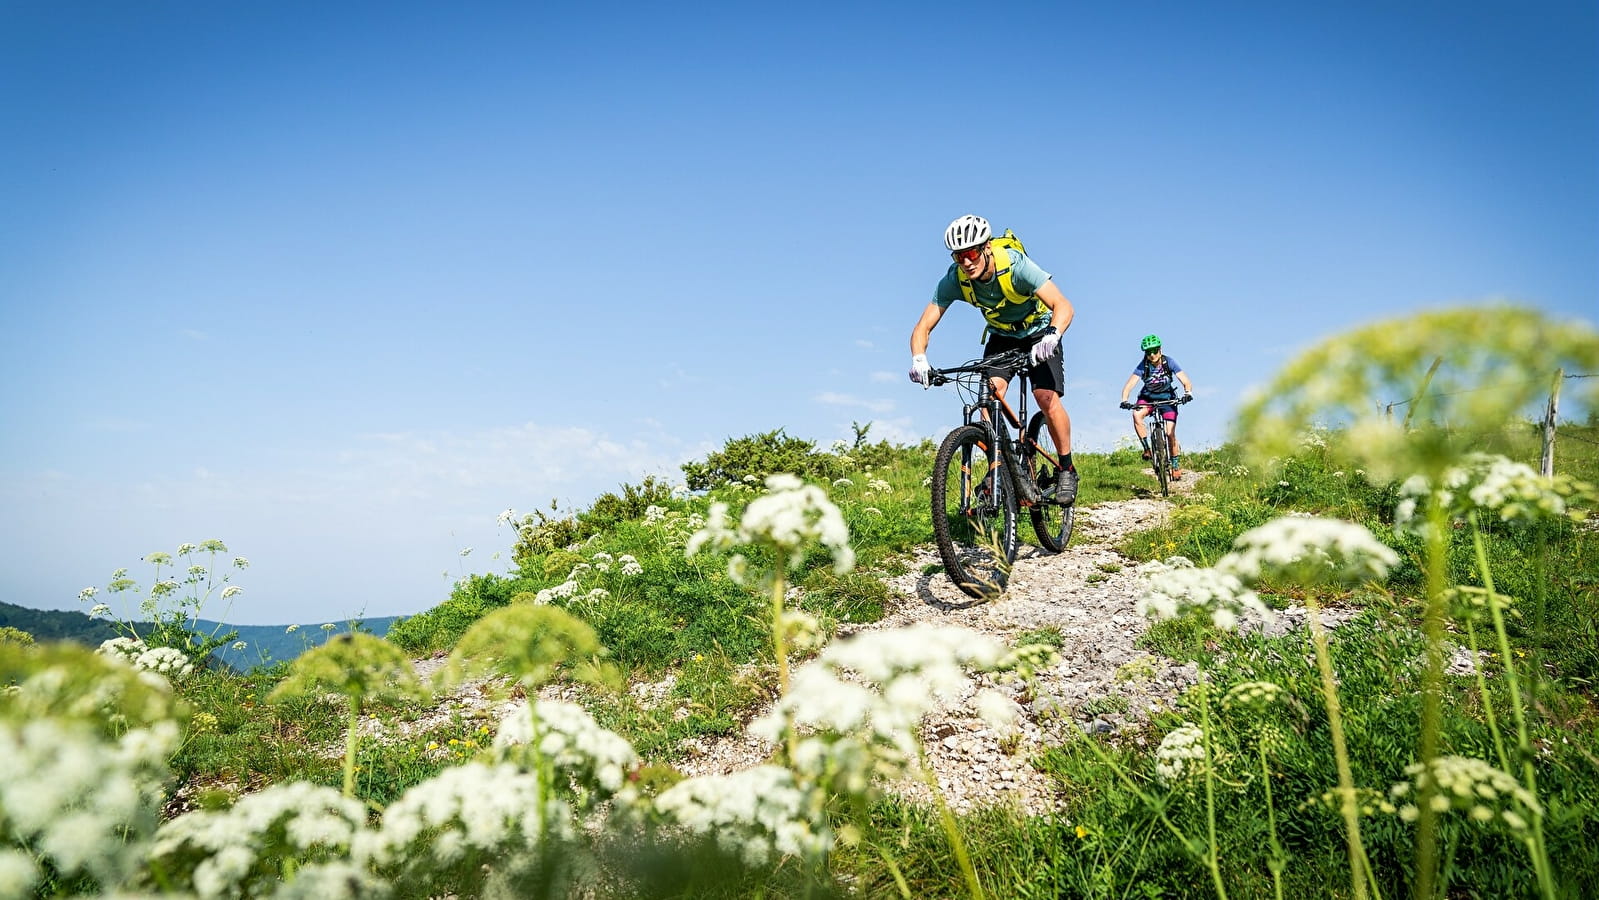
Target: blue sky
337, 283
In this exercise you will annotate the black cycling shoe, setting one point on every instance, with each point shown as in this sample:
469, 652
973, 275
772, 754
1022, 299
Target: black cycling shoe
1066, 487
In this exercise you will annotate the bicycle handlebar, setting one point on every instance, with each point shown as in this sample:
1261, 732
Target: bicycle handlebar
1008, 363
1175, 401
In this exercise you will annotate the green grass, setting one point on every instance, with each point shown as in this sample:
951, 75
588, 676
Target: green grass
685, 620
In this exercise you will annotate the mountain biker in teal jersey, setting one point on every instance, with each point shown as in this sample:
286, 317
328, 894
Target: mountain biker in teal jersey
1024, 309
1158, 372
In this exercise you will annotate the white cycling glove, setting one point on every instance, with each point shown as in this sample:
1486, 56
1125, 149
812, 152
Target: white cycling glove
1046, 345
919, 369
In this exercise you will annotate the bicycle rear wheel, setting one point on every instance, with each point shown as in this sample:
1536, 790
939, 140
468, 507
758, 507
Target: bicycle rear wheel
1160, 454
974, 513
1052, 522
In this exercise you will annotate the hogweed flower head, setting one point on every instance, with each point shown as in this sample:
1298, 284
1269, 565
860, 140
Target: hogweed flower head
239, 851
1309, 550
879, 685
1176, 588
528, 642
756, 814
791, 517
1485, 794
455, 823
1469, 603
357, 666
1181, 754
1251, 695
1507, 491
569, 738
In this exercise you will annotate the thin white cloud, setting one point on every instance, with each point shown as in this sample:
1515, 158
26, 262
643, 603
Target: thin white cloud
885, 377
194, 335
864, 344
832, 398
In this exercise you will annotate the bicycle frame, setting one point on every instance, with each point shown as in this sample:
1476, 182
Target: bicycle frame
992, 411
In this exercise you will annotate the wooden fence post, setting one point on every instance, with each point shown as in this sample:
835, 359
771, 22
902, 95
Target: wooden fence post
1546, 463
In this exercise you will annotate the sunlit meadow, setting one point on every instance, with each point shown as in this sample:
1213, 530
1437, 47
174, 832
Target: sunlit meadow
1392, 612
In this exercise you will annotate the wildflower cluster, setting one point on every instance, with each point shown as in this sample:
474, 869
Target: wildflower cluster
1251, 695
792, 516
442, 833
755, 814
1179, 754
1309, 550
1176, 588
173, 664
1511, 491
1482, 792
1367, 801
237, 852
600, 563
568, 737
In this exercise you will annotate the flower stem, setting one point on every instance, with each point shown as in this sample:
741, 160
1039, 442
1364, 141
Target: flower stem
1210, 793
1432, 625
1346, 778
1278, 857
1540, 853
351, 739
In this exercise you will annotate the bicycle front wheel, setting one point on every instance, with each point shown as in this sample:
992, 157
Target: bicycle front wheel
1052, 522
974, 513
1160, 454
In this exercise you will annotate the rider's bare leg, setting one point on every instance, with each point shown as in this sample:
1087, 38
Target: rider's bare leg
1055, 415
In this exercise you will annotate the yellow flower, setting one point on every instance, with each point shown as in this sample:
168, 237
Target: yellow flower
1081, 832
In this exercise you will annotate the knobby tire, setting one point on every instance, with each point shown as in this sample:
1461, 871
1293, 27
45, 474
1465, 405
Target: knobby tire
1051, 521
974, 516
1161, 454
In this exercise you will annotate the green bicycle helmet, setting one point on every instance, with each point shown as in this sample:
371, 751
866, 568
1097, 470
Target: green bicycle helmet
1150, 342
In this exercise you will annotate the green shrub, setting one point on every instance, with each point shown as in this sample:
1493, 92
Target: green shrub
749, 459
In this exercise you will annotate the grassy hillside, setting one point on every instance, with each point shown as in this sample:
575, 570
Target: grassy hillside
1292, 768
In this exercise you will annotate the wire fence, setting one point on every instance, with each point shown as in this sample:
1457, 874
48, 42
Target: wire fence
1547, 427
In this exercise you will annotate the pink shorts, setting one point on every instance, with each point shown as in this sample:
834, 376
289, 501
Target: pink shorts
1169, 413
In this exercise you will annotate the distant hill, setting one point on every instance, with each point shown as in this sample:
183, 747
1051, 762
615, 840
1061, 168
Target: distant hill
264, 644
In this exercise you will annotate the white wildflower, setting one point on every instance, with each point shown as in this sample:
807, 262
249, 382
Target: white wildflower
1176, 588
569, 738
1179, 753
485, 812
87, 594
756, 814
630, 566
224, 847
231, 590
1485, 794
1309, 550
1509, 491
791, 516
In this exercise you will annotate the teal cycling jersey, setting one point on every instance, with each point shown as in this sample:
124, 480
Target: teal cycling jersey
989, 297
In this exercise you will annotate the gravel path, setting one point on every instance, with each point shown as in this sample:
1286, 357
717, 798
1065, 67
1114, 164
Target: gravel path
1102, 683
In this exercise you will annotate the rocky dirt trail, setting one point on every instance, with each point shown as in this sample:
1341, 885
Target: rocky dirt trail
1102, 683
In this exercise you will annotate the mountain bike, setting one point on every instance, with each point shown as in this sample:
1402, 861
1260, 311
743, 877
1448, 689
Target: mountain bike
1159, 449
985, 472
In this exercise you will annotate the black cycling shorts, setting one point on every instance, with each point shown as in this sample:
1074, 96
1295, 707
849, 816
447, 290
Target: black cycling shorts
1051, 373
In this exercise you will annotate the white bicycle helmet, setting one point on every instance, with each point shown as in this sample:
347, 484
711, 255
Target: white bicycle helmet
966, 232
